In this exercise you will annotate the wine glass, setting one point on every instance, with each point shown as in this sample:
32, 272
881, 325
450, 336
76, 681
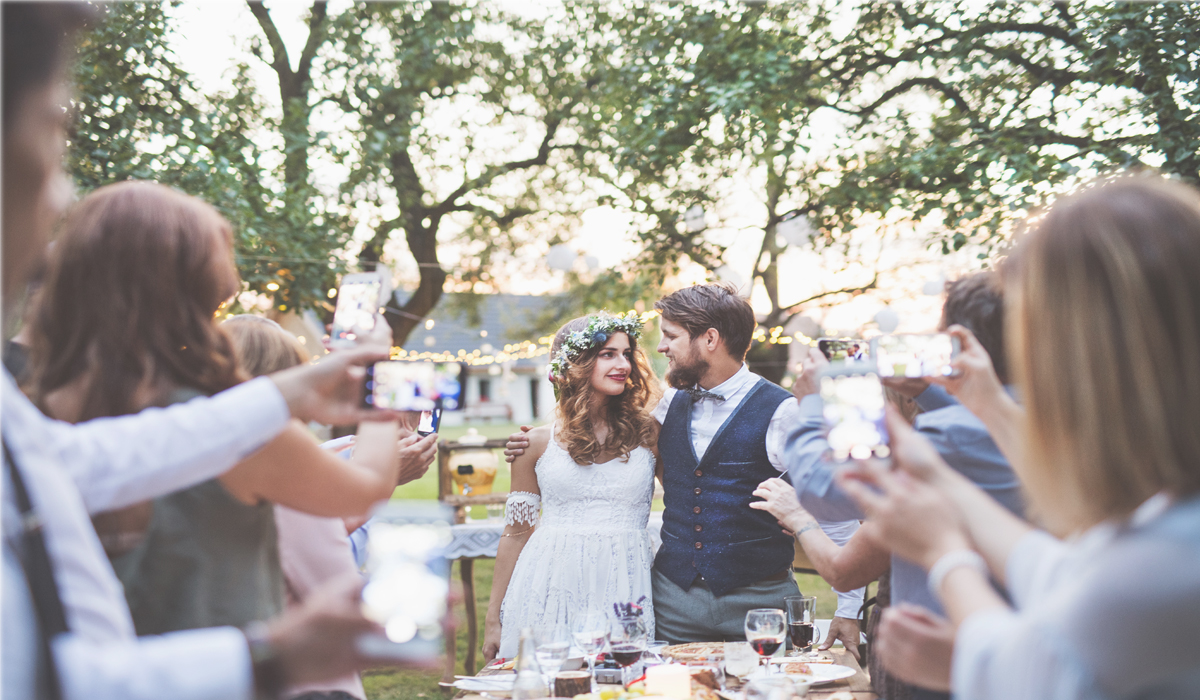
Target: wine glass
552, 645
627, 641
591, 634
802, 613
765, 630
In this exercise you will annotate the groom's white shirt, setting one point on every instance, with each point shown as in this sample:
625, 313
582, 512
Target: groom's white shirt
709, 415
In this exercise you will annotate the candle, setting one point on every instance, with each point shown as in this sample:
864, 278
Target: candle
670, 680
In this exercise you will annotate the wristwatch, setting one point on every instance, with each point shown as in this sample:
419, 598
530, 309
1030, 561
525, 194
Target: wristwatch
269, 676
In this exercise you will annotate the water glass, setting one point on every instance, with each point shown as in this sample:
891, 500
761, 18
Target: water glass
740, 659
552, 645
765, 630
590, 632
802, 615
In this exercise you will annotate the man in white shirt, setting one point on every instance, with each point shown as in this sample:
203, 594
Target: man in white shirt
56, 577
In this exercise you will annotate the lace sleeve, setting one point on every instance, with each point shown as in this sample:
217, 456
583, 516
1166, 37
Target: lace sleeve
522, 507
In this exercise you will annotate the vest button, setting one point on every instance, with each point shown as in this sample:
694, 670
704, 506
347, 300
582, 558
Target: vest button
699, 546
696, 510
697, 492
699, 473
699, 528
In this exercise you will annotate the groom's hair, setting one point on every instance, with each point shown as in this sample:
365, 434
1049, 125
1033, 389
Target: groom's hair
716, 306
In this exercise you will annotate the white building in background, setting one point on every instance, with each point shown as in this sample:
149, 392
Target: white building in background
512, 392
517, 391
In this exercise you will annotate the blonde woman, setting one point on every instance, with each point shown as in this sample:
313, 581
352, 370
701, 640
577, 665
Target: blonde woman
592, 471
312, 549
1106, 348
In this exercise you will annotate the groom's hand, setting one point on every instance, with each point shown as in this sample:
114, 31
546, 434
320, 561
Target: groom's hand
846, 631
517, 442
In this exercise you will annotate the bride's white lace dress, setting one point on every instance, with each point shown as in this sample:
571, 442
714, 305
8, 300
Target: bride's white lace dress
590, 550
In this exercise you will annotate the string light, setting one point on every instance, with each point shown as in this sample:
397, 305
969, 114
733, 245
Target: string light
528, 349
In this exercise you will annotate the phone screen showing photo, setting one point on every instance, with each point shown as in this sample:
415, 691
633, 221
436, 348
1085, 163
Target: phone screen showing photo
844, 349
357, 304
854, 416
408, 580
429, 421
914, 355
415, 386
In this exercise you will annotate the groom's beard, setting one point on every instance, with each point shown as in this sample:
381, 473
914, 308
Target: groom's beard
685, 375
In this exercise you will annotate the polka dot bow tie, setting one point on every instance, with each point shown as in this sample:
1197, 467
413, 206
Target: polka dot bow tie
698, 394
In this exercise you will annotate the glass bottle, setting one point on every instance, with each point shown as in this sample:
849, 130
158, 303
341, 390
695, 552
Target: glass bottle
529, 682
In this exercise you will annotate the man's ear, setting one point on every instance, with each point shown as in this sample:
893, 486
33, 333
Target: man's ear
711, 340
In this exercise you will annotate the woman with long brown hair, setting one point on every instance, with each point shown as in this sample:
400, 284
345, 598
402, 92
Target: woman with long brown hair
126, 321
592, 471
1105, 342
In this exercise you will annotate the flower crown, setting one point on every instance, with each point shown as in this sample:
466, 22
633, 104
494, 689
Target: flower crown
597, 332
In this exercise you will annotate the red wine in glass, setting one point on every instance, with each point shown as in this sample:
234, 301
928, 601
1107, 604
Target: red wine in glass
801, 634
627, 654
765, 647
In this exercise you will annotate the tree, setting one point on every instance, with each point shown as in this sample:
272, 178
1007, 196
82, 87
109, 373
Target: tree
138, 115
700, 97
984, 112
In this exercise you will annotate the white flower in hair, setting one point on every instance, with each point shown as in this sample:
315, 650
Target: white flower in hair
597, 332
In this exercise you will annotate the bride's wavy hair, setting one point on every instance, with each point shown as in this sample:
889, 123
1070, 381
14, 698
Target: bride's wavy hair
630, 424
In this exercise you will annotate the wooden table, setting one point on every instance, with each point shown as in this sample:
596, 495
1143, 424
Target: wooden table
859, 684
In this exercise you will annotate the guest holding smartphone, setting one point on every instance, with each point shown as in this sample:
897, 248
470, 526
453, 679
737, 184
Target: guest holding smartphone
1106, 351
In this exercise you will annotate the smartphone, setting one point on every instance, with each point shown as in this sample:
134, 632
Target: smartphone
408, 581
854, 414
844, 349
430, 421
360, 297
415, 386
914, 354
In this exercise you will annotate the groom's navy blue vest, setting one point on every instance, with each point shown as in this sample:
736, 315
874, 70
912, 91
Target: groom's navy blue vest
709, 528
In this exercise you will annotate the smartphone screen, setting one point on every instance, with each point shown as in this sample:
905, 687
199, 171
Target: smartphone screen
914, 355
415, 386
854, 415
430, 420
844, 349
357, 305
408, 580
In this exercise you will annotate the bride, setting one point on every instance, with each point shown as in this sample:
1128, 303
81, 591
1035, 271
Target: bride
591, 473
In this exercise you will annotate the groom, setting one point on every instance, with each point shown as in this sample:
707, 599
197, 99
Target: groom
723, 433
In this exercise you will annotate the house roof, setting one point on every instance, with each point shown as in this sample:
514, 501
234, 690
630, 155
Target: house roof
503, 319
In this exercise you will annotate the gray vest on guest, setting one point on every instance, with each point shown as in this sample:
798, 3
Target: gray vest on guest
709, 529
207, 560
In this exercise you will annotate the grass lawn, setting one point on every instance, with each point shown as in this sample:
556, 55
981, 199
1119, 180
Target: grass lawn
388, 684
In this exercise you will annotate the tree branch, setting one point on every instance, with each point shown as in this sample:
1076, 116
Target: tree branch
316, 36
933, 83
552, 121
279, 56
848, 290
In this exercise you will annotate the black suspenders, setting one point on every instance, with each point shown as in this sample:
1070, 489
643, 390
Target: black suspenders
39, 574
